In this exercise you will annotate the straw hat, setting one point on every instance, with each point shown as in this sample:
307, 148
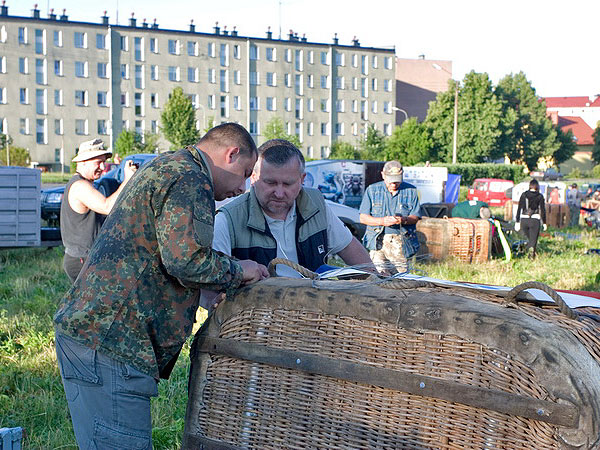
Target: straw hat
91, 149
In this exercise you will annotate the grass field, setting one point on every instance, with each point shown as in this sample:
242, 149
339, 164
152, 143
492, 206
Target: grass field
32, 283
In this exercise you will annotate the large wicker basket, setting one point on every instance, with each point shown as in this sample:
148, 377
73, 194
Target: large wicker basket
289, 365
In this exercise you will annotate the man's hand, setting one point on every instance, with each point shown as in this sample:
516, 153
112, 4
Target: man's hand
130, 169
253, 271
388, 221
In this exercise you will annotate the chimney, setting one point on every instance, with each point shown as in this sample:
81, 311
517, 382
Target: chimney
225, 32
192, 26
144, 23
64, 16
291, 35
335, 39
154, 25
35, 12
132, 21
3, 9
303, 37
355, 42
51, 15
269, 33
104, 19
216, 28
234, 32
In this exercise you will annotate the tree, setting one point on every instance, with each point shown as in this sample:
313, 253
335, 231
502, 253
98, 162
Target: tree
527, 133
178, 120
409, 143
596, 148
275, 129
131, 142
19, 156
373, 145
343, 150
479, 117
567, 147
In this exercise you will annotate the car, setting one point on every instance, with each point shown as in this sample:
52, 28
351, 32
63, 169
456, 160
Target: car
552, 174
107, 184
350, 217
490, 190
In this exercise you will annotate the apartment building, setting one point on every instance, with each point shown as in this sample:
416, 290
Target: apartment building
63, 82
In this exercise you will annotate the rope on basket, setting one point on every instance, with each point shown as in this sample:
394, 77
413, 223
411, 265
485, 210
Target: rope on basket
286, 262
511, 297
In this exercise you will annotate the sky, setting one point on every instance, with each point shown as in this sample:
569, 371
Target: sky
553, 42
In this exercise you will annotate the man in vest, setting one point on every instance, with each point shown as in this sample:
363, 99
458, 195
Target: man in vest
83, 208
390, 209
278, 218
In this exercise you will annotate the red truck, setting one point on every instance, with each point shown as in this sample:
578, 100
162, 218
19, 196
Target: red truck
490, 190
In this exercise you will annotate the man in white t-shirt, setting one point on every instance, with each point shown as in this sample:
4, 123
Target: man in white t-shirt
278, 218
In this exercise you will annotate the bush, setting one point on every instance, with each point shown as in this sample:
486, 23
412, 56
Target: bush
596, 171
575, 174
469, 172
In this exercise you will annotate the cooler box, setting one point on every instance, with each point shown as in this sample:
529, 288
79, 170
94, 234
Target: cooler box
20, 216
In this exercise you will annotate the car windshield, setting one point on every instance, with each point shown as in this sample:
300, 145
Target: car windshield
480, 185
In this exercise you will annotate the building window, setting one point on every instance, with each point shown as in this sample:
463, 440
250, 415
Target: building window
125, 99
339, 82
324, 151
387, 107
40, 71
81, 126
139, 77
154, 126
325, 58
40, 101
271, 54
40, 131
298, 60
102, 98
224, 55
24, 96
387, 85
100, 41
271, 79
374, 107
58, 97
373, 84
288, 104
224, 81
102, 127
211, 102
3, 96
237, 104
81, 98
340, 59
58, 126
364, 64
40, 42
192, 74
324, 105
310, 80
254, 106
102, 70
354, 106
138, 100
154, 73
374, 61
253, 52
298, 84
58, 68
236, 52
363, 110
24, 65
24, 126
80, 40
173, 47
58, 41
81, 69
124, 43
138, 48
355, 60
298, 108
339, 129
310, 129
254, 78
387, 129
387, 62
311, 57
364, 91
355, 83
287, 79
354, 129
253, 128
192, 48
212, 77
271, 105
173, 73
22, 35
153, 45
212, 51
339, 106
236, 77
154, 100
324, 82
125, 71
224, 106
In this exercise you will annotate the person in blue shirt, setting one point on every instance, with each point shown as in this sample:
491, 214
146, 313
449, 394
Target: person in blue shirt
390, 209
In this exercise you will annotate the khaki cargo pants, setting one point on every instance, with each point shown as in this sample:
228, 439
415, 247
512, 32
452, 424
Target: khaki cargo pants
390, 259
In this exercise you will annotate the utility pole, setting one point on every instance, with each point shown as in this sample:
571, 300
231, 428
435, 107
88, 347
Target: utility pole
455, 124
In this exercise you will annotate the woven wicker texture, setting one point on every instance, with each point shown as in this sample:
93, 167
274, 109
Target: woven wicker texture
246, 404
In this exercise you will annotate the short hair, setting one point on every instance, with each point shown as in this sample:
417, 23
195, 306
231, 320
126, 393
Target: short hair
534, 184
231, 134
484, 212
279, 152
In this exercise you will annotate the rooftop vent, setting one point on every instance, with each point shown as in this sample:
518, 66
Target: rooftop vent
355, 42
144, 23
3, 9
104, 19
269, 33
216, 28
64, 16
132, 21
35, 12
335, 39
225, 32
303, 38
291, 35
51, 14
234, 32
154, 25
192, 26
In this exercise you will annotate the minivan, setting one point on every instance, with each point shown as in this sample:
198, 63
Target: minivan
490, 190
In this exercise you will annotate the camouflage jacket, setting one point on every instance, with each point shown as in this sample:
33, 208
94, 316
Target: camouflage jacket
137, 295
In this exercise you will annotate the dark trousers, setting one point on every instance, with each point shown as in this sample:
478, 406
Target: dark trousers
531, 228
72, 266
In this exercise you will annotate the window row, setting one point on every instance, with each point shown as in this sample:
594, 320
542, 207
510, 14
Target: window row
322, 129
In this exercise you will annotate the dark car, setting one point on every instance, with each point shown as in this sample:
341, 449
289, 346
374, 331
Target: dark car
107, 184
552, 175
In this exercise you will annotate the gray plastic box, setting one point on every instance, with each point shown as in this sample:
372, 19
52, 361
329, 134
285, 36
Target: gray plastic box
20, 207
10, 438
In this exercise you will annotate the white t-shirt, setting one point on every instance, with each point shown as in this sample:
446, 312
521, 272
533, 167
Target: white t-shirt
284, 232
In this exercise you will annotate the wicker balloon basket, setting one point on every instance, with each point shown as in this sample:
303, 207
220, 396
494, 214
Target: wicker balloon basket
346, 364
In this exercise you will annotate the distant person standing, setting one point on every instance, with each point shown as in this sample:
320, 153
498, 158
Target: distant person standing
83, 207
574, 203
554, 197
531, 215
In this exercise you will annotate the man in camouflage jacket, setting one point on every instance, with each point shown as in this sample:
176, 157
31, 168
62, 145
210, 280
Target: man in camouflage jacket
123, 323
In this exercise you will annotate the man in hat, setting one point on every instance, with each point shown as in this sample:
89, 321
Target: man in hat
83, 207
574, 202
390, 209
